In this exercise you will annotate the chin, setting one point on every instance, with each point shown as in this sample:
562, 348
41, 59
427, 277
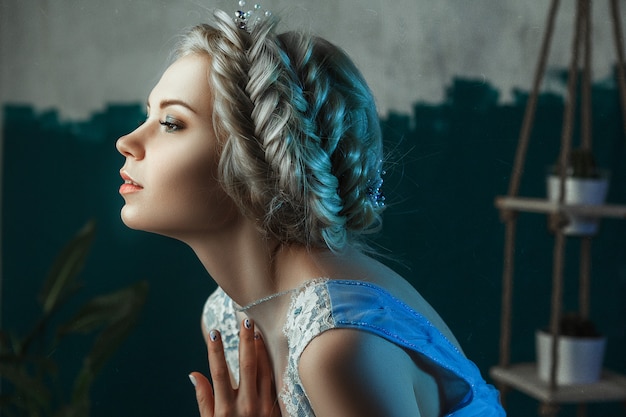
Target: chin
141, 223
129, 223
133, 220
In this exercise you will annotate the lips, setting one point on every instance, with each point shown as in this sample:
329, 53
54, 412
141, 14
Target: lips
130, 185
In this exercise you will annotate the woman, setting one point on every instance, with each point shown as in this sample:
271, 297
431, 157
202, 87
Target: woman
263, 153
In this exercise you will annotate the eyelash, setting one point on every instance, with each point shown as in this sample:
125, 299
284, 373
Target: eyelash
170, 127
170, 124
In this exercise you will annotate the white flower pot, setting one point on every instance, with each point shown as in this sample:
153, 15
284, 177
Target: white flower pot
590, 191
580, 358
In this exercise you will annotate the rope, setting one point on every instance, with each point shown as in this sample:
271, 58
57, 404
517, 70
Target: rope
508, 216
569, 110
585, 281
619, 46
529, 115
586, 120
507, 293
559, 243
557, 301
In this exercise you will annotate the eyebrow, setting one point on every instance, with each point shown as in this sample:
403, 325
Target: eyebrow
173, 102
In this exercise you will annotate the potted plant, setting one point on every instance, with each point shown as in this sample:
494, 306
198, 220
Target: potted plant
580, 352
585, 184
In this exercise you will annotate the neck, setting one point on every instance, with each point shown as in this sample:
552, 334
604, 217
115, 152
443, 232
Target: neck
249, 267
240, 260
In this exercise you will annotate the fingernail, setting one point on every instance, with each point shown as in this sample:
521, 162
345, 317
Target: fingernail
257, 335
213, 334
193, 380
247, 323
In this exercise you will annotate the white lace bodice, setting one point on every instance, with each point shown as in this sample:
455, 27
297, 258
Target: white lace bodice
308, 316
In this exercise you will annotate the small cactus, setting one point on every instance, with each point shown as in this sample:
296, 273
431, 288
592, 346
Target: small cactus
582, 164
576, 326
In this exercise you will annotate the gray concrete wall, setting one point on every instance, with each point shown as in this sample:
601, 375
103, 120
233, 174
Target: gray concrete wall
77, 55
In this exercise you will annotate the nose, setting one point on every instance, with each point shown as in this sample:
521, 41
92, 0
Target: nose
130, 145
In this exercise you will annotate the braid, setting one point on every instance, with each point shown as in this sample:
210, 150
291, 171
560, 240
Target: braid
298, 130
232, 112
342, 111
326, 221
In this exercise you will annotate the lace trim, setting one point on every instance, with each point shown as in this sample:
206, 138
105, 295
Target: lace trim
219, 313
309, 315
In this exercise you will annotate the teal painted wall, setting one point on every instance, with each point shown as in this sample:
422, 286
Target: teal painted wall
447, 162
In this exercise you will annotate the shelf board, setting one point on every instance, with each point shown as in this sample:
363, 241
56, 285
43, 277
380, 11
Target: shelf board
524, 378
541, 205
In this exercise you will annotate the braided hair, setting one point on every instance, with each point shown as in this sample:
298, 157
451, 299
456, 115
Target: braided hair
298, 129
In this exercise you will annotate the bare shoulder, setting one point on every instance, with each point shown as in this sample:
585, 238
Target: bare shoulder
351, 372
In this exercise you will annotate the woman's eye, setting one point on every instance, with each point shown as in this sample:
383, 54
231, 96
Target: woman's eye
170, 124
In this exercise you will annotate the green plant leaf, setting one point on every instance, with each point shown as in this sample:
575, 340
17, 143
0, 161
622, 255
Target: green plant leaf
118, 312
30, 393
61, 281
32, 390
74, 409
106, 309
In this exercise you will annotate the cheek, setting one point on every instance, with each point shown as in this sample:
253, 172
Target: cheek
190, 194
191, 176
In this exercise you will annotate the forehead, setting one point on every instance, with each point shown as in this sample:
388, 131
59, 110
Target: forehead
186, 80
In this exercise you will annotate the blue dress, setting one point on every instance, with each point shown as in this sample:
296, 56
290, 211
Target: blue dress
323, 304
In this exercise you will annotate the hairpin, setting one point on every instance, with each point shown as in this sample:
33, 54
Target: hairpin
246, 20
373, 190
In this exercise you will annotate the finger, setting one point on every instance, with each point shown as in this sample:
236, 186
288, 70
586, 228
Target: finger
222, 388
247, 361
265, 382
204, 394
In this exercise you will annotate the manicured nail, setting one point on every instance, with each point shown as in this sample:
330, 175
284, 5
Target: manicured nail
214, 334
193, 380
257, 335
247, 323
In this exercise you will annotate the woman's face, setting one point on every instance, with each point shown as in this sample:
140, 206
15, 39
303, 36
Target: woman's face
170, 174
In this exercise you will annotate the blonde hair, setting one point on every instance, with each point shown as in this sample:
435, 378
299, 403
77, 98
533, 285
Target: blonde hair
300, 135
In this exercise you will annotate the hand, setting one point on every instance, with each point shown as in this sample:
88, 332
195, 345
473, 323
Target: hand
256, 394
